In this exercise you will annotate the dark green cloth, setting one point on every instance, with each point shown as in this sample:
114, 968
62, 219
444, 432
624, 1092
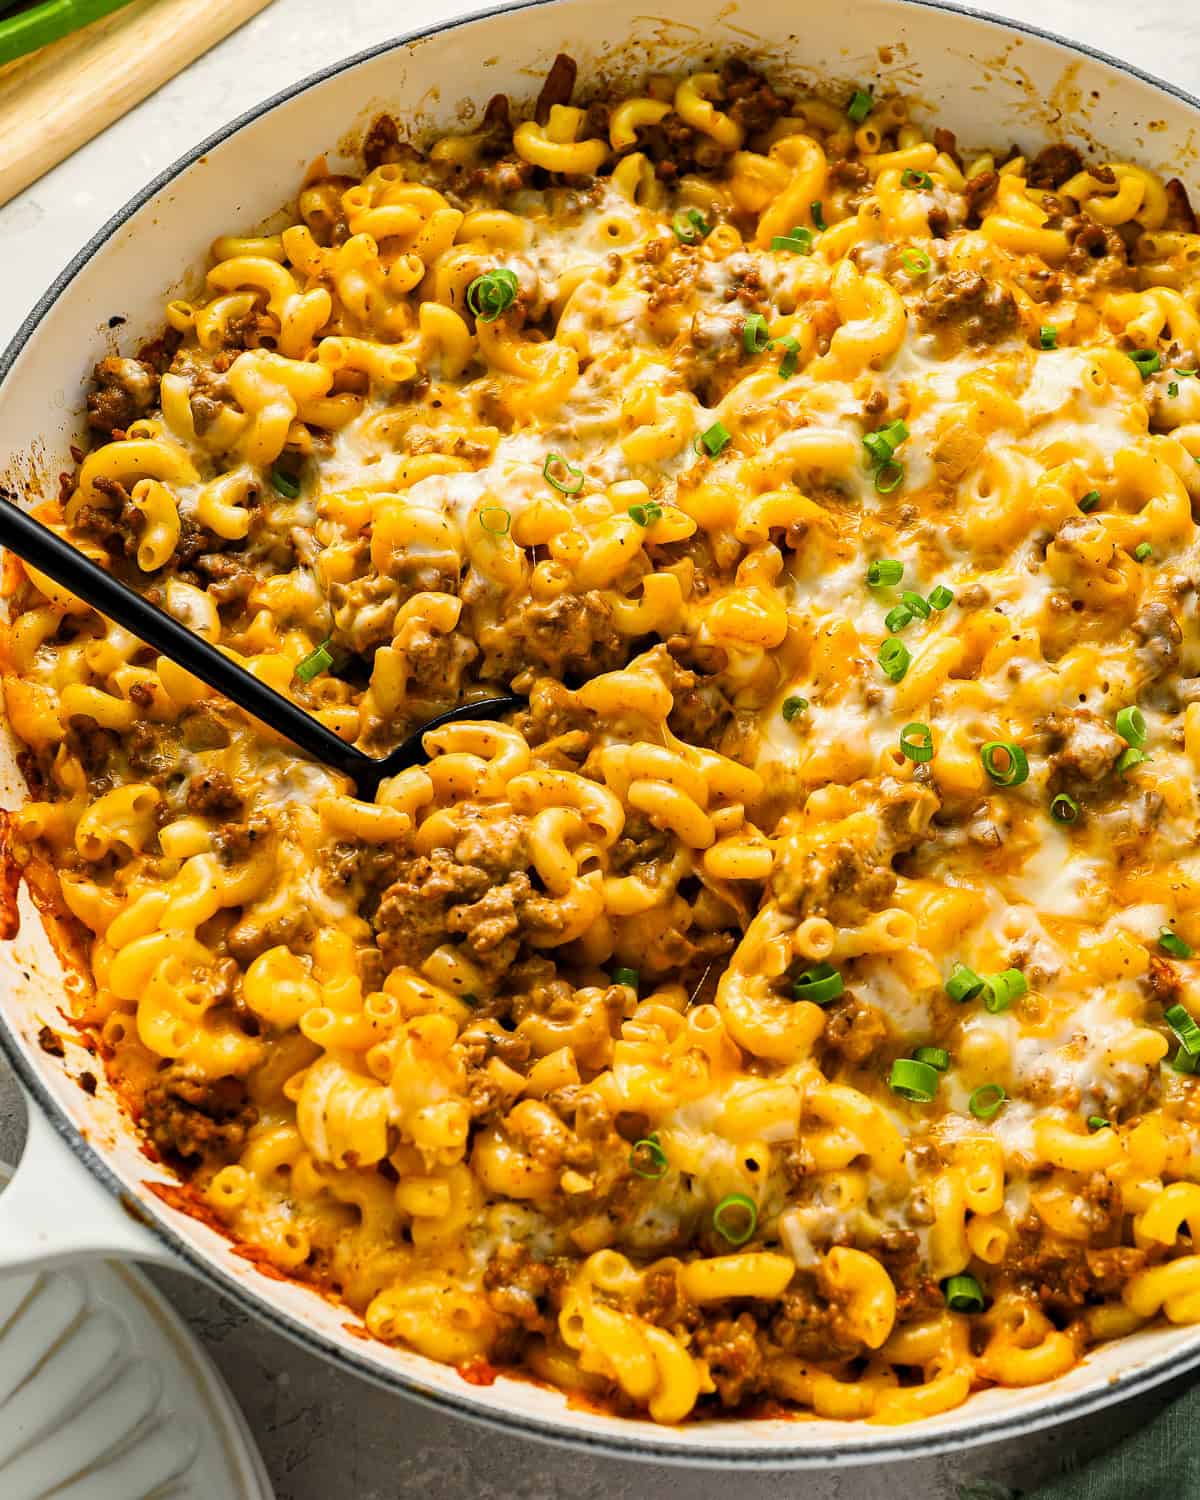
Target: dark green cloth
1160, 1461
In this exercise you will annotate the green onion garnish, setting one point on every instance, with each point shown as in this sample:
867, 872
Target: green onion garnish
913, 1080
1089, 501
314, 663
1000, 990
492, 293
963, 1294
894, 658
941, 597
884, 572
936, 1057
1172, 388
1143, 551
882, 445
648, 1159
1184, 1062
792, 707
860, 106
554, 470
916, 742
716, 438
898, 617
626, 976
285, 484
1048, 336
889, 477
1170, 942
495, 520
986, 1100
1184, 1028
791, 358
964, 984
646, 515
911, 179
916, 262
1130, 758
818, 213
1064, 809
1098, 1122
799, 242
755, 337
919, 607
1131, 726
819, 985
1147, 361
1006, 763
690, 226
735, 1218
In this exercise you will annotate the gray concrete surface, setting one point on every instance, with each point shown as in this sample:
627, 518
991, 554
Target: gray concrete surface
328, 1436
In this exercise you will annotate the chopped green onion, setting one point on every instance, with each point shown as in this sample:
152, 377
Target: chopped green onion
648, 1159
792, 707
1143, 551
911, 179
1089, 501
941, 597
690, 226
799, 242
819, 985
913, 1080
1170, 942
860, 106
787, 365
1130, 758
963, 1294
818, 213
1184, 1028
986, 1100
646, 515
889, 477
1146, 360
314, 663
916, 742
964, 984
495, 520
898, 617
755, 337
1064, 809
626, 976
1006, 763
1172, 388
916, 262
492, 293
919, 606
715, 439
1000, 990
1185, 372
894, 658
1048, 336
1184, 1062
1098, 1122
936, 1057
285, 484
554, 467
884, 572
735, 1218
882, 445
1131, 726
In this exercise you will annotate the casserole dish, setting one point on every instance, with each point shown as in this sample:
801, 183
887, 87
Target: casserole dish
948, 59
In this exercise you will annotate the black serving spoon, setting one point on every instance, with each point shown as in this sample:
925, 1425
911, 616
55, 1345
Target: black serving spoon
45, 550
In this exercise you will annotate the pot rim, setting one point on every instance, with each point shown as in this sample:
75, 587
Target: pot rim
909, 1442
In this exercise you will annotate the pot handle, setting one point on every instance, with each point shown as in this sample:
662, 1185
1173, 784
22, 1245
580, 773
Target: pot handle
54, 1211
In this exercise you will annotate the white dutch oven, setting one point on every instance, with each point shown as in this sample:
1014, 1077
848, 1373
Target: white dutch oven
84, 1187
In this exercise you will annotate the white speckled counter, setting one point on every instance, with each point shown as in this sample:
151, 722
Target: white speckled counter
322, 1433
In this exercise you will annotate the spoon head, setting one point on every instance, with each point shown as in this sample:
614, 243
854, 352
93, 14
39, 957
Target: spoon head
412, 750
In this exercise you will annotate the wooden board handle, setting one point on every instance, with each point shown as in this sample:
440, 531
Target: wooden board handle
54, 100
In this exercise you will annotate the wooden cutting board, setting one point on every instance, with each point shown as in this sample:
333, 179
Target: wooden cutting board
54, 100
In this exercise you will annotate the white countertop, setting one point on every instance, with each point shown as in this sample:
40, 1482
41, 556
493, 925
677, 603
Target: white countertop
326, 1434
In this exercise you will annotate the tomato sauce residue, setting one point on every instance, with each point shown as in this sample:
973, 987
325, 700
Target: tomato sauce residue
476, 1371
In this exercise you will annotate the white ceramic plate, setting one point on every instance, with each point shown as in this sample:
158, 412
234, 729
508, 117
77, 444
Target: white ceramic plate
106, 1395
